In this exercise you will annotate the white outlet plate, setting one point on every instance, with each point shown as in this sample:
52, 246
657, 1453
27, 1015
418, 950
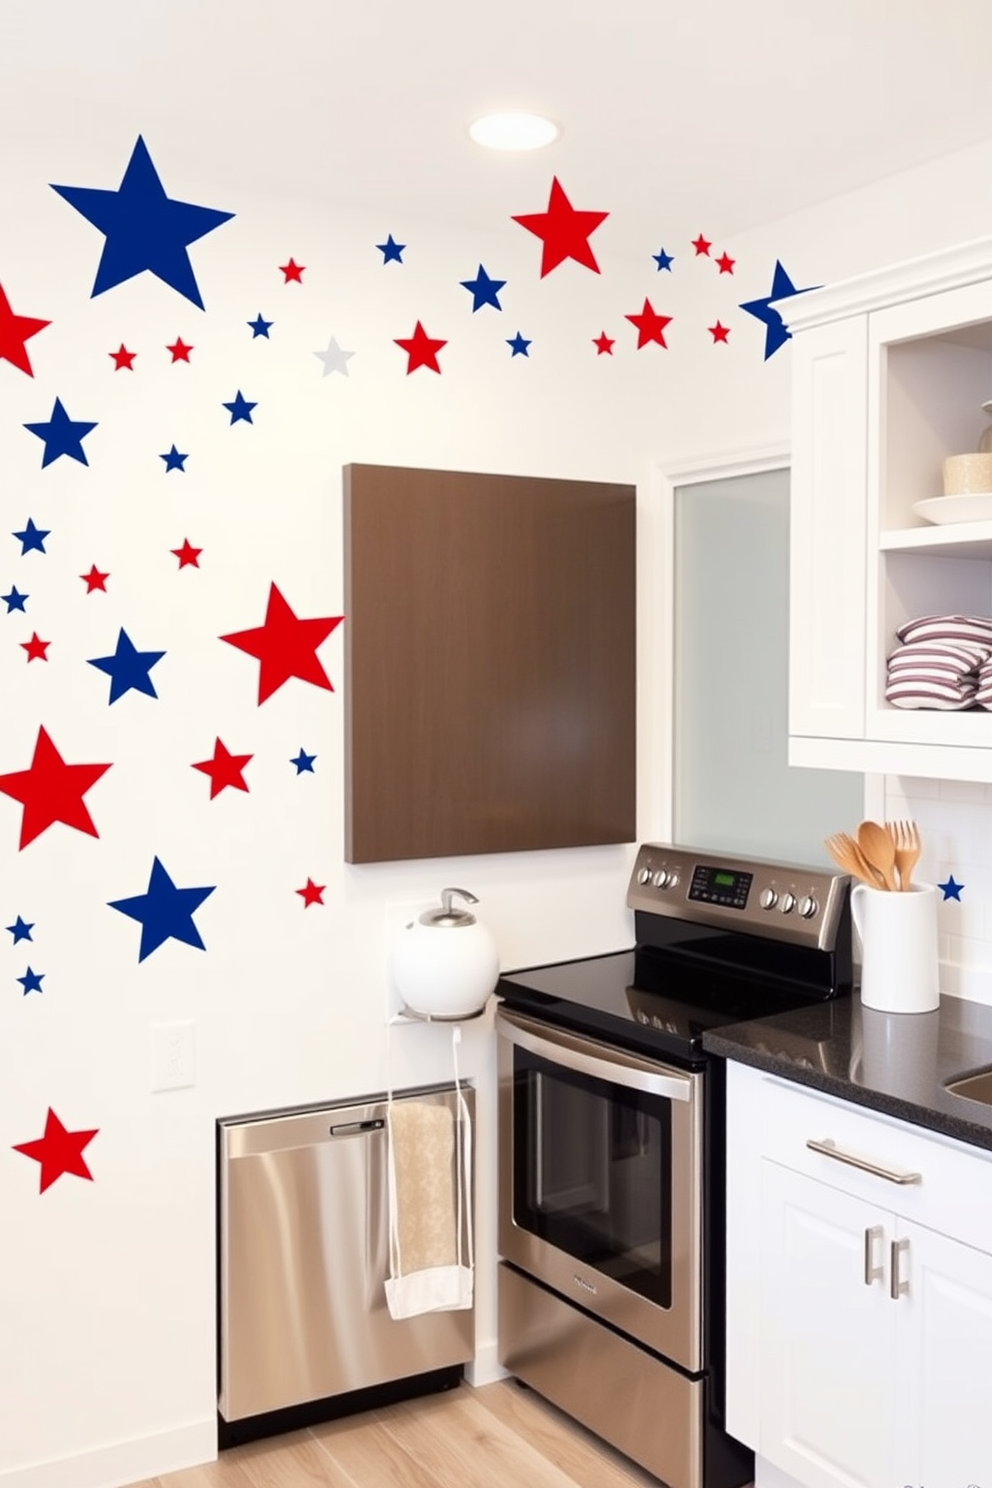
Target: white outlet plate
172, 1056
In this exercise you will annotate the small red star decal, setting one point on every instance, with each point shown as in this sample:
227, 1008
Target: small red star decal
725, 264
292, 272
421, 350
123, 358
286, 646
604, 344
58, 1151
95, 579
701, 245
188, 555
311, 893
224, 769
35, 648
51, 791
15, 331
564, 232
650, 326
719, 333
180, 351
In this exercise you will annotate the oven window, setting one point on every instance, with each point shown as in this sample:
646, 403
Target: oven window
593, 1172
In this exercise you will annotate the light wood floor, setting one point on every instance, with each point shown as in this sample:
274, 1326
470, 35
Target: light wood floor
493, 1437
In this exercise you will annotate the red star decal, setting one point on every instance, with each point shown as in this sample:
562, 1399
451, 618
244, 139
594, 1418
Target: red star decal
604, 344
719, 333
35, 648
188, 555
702, 246
51, 791
725, 264
421, 350
180, 351
292, 272
563, 231
311, 893
95, 579
59, 1151
650, 326
286, 646
15, 331
123, 358
224, 769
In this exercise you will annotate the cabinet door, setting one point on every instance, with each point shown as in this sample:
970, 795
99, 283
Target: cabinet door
828, 1338
828, 531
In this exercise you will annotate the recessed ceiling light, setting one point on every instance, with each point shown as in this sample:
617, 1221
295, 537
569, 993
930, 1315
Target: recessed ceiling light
513, 131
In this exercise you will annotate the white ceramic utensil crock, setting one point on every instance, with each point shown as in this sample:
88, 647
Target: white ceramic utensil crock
900, 972
445, 964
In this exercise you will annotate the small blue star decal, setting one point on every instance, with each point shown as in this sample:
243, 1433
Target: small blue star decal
260, 327
303, 762
951, 890
240, 409
32, 539
14, 600
174, 460
62, 436
20, 930
518, 345
164, 912
663, 260
128, 668
143, 228
31, 981
391, 252
484, 291
776, 333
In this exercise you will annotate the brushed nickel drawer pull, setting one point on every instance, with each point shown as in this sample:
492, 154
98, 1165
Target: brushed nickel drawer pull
872, 1272
897, 1288
829, 1148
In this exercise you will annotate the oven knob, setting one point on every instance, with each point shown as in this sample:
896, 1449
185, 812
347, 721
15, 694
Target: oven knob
788, 903
660, 879
768, 899
644, 876
673, 880
808, 907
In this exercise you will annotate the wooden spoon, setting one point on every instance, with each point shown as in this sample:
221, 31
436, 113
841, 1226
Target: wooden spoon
847, 855
880, 851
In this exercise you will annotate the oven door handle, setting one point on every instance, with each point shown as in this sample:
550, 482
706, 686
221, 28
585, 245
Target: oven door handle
614, 1065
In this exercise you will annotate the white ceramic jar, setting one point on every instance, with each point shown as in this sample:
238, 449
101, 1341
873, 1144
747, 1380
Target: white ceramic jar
445, 964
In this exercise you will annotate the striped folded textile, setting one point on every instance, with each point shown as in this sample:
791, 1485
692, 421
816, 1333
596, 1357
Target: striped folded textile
937, 673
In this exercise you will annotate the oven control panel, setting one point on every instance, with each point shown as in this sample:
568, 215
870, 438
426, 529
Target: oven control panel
781, 901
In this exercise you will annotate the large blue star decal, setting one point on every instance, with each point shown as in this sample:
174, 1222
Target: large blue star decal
391, 252
21, 930
776, 332
31, 981
62, 436
950, 889
144, 228
240, 409
32, 539
128, 668
484, 291
14, 600
164, 912
303, 762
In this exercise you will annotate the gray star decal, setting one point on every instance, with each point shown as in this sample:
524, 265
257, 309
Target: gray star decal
334, 359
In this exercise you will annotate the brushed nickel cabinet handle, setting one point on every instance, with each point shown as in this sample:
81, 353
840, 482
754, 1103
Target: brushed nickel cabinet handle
897, 1288
828, 1147
872, 1272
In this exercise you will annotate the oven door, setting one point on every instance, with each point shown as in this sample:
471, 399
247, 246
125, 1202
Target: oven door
599, 1180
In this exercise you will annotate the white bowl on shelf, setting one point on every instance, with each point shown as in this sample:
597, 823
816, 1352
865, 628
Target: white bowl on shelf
976, 506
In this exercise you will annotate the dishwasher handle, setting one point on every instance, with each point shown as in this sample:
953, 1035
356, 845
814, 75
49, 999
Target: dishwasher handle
355, 1128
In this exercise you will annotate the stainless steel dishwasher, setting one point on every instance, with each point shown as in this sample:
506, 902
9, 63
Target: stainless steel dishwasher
303, 1247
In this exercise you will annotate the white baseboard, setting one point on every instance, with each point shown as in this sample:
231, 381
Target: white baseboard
484, 1369
123, 1462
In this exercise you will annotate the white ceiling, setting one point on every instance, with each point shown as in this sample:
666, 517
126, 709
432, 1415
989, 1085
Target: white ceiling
709, 117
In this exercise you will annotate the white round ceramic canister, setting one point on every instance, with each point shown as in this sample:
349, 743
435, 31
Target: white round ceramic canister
445, 963
900, 970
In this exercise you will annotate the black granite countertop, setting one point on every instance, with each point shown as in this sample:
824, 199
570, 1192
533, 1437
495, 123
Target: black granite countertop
897, 1063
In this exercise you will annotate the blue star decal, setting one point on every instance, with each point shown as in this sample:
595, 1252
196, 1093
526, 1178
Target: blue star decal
14, 600
951, 890
518, 346
260, 327
663, 260
32, 539
62, 436
391, 252
240, 409
128, 668
143, 228
164, 912
174, 460
20, 930
31, 981
484, 291
776, 333
303, 762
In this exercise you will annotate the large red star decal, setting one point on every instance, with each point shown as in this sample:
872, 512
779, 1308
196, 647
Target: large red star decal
650, 326
224, 769
286, 646
15, 330
51, 791
563, 231
421, 350
58, 1151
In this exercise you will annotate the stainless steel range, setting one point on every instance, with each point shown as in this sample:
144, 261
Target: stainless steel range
611, 1133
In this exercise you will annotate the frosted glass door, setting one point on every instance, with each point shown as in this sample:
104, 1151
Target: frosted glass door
733, 787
